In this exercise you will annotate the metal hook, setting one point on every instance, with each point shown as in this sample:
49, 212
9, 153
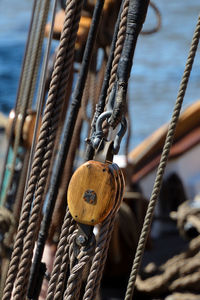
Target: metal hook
120, 135
99, 131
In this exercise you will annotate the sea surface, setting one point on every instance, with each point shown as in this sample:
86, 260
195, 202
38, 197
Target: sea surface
157, 69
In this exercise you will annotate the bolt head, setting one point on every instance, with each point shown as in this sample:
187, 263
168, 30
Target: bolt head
80, 240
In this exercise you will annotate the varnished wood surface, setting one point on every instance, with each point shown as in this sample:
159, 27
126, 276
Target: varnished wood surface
58, 25
97, 177
152, 146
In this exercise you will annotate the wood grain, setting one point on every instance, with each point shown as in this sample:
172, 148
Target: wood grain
97, 177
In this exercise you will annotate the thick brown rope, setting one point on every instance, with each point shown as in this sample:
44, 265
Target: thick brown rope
67, 228
162, 164
36, 210
98, 262
64, 265
50, 120
75, 279
119, 47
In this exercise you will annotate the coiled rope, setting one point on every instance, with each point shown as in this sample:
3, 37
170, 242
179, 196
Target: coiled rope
162, 164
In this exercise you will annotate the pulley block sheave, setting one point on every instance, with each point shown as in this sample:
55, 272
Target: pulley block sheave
94, 190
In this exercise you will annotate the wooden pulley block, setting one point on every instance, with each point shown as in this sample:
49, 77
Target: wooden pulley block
28, 127
92, 192
121, 185
9, 125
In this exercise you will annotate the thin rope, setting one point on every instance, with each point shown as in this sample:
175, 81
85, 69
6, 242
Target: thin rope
18, 91
41, 91
28, 80
158, 25
162, 164
50, 120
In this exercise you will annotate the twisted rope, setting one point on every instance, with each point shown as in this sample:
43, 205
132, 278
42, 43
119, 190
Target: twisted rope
49, 130
98, 262
67, 228
162, 164
51, 115
30, 71
64, 265
75, 279
119, 46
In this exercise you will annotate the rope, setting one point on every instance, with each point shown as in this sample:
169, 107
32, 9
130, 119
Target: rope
162, 164
74, 108
75, 279
118, 47
178, 273
28, 79
158, 15
67, 228
64, 265
101, 104
136, 16
52, 114
98, 262
50, 120
18, 91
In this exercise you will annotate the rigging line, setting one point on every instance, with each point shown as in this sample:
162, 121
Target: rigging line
135, 20
158, 25
10, 137
163, 162
41, 92
63, 268
46, 142
62, 252
28, 58
100, 255
101, 104
30, 68
39, 110
68, 130
55, 98
118, 47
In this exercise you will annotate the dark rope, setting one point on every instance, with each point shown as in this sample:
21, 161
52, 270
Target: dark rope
68, 132
136, 16
102, 98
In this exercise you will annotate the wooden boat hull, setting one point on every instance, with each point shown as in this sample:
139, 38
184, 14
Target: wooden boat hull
184, 155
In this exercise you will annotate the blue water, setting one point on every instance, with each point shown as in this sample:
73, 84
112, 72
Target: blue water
158, 63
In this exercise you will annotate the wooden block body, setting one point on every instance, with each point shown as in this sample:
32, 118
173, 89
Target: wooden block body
91, 193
